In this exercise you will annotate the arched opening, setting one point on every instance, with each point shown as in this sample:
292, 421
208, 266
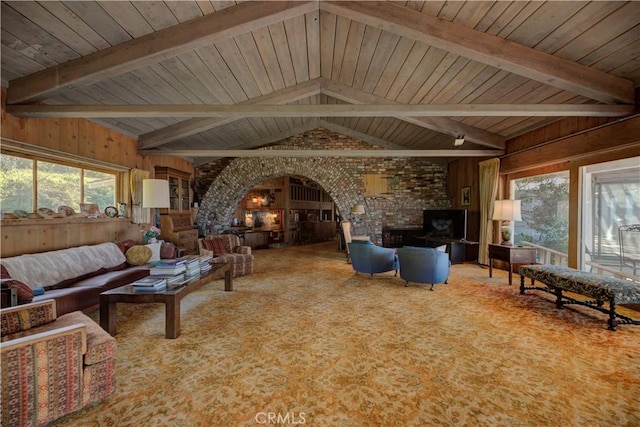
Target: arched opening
230, 187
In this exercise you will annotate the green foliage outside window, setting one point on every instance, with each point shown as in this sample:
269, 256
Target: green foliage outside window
57, 185
545, 213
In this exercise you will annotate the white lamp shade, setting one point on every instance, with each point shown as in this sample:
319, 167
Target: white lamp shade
357, 209
155, 193
507, 210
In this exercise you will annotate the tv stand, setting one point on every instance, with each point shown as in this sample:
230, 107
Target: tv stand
459, 250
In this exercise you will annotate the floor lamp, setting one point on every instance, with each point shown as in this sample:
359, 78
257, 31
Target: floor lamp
155, 194
506, 211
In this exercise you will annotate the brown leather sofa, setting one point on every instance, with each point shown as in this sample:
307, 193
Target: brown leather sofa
82, 293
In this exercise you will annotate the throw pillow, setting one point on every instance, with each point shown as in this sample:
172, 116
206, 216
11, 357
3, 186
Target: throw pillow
155, 251
24, 292
138, 255
218, 245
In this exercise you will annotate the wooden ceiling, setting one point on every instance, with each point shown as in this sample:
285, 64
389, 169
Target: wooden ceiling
201, 78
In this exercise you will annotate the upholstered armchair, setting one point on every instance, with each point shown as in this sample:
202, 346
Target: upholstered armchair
371, 259
226, 248
52, 366
423, 265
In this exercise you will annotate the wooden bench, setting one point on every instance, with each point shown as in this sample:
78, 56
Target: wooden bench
603, 289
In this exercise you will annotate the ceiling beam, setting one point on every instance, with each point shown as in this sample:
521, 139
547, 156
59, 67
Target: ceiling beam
153, 48
488, 49
323, 153
321, 110
192, 126
360, 136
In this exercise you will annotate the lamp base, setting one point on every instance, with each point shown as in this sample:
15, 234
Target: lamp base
506, 235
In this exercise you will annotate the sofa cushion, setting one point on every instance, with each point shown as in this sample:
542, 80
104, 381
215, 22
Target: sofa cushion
155, 251
24, 291
100, 345
139, 255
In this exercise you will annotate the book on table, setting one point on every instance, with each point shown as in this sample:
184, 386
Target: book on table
167, 270
150, 284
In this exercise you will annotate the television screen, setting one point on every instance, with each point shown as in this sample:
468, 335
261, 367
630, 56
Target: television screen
445, 223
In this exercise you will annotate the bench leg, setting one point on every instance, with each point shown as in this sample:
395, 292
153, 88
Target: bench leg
521, 285
558, 293
613, 323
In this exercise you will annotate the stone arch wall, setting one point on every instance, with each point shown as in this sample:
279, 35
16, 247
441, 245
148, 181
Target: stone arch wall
228, 188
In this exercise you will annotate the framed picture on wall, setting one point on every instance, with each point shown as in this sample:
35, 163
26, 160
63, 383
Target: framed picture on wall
466, 196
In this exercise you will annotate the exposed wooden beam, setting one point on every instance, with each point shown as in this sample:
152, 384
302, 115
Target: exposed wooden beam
193, 126
321, 110
323, 153
488, 49
361, 136
439, 124
153, 48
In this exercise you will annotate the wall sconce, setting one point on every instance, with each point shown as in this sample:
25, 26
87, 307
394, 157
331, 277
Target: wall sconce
356, 211
155, 194
458, 141
506, 210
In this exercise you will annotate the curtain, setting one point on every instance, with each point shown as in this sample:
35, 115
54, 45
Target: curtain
489, 174
138, 215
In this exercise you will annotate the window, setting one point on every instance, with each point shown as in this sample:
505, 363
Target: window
545, 211
610, 194
28, 184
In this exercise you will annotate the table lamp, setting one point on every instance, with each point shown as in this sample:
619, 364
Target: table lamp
155, 194
506, 210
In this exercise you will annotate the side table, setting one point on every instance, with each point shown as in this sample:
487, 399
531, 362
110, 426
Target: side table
511, 255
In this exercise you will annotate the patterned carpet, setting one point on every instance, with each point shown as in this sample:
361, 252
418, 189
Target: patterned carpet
304, 341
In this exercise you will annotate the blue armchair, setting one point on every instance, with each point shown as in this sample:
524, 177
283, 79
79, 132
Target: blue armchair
369, 258
423, 265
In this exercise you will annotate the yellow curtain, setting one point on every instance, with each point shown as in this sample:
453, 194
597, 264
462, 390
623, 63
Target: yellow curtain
489, 174
138, 215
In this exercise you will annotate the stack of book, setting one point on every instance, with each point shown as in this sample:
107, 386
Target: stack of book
172, 270
205, 264
192, 269
149, 284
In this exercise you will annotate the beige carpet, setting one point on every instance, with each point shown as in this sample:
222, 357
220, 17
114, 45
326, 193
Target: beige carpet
306, 342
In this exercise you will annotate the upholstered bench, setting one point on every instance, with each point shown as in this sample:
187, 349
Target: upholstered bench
601, 288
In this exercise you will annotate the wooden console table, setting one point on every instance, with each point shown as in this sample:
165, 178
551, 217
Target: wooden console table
511, 255
170, 298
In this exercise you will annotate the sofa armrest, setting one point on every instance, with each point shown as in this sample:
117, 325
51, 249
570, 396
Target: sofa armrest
42, 375
26, 316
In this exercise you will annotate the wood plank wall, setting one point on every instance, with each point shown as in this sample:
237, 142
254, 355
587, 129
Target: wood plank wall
93, 142
567, 144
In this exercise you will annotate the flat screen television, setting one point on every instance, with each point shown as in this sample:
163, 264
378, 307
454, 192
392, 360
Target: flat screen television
445, 223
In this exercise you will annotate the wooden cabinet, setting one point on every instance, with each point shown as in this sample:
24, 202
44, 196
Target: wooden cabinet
177, 229
179, 189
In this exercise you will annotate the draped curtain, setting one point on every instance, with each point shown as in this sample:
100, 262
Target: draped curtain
138, 214
489, 174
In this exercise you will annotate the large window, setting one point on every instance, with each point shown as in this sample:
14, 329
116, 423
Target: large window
610, 207
545, 211
29, 184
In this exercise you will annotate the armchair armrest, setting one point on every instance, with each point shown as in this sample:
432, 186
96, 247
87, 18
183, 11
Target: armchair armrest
245, 250
26, 316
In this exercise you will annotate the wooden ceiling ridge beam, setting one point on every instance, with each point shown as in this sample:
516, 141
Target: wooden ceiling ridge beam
154, 47
439, 124
195, 125
488, 49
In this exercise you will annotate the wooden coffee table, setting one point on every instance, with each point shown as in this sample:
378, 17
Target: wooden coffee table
170, 298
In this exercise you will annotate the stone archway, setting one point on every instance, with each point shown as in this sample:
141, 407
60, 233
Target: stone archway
230, 186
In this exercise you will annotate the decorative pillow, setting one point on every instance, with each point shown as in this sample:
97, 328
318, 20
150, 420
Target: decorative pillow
138, 255
168, 251
218, 245
25, 293
155, 251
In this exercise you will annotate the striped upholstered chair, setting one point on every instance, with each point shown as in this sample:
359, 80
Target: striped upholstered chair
226, 248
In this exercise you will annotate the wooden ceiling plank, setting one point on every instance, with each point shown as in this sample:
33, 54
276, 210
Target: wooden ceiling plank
387, 44
269, 57
407, 69
283, 54
494, 51
367, 49
400, 54
73, 21
255, 63
153, 48
351, 53
216, 65
192, 126
196, 67
327, 40
295, 28
128, 17
312, 25
339, 46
